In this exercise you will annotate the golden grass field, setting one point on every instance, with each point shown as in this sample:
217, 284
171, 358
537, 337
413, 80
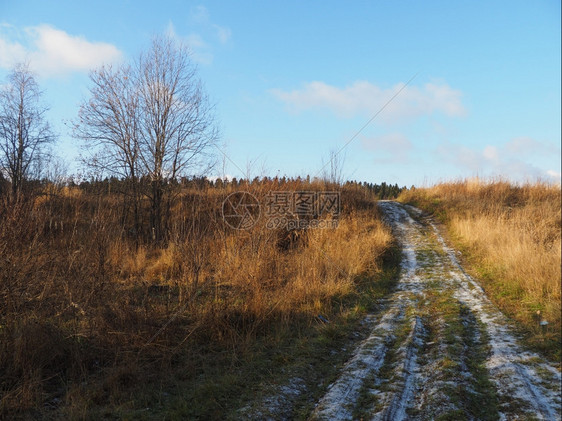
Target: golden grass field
91, 314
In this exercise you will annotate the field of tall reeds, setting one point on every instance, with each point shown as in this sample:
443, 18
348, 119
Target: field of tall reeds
510, 236
96, 318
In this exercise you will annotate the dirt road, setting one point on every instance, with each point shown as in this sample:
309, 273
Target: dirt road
439, 349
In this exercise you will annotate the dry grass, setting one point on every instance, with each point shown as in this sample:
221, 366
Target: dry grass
86, 303
512, 237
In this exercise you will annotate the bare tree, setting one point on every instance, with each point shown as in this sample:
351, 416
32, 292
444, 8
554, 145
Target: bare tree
332, 171
24, 132
108, 121
108, 125
177, 123
152, 119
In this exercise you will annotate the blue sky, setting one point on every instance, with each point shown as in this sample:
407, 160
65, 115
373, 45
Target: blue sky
295, 80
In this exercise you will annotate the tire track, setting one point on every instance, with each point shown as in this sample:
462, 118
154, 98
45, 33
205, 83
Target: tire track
513, 370
397, 408
471, 357
340, 400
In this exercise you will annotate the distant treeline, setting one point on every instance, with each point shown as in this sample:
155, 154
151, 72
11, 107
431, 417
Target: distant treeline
380, 191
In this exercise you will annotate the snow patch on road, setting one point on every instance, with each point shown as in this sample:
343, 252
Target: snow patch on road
339, 401
509, 365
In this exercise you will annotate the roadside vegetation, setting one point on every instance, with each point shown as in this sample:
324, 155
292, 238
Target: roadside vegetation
510, 238
128, 295
100, 318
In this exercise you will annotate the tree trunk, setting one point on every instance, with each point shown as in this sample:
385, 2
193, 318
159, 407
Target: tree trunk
156, 210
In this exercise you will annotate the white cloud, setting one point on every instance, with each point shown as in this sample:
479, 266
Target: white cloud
51, 51
490, 153
462, 156
200, 15
392, 147
195, 42
526, 145
223, 33
508, 160
364, 98
556, 175
200, 50
11, 53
